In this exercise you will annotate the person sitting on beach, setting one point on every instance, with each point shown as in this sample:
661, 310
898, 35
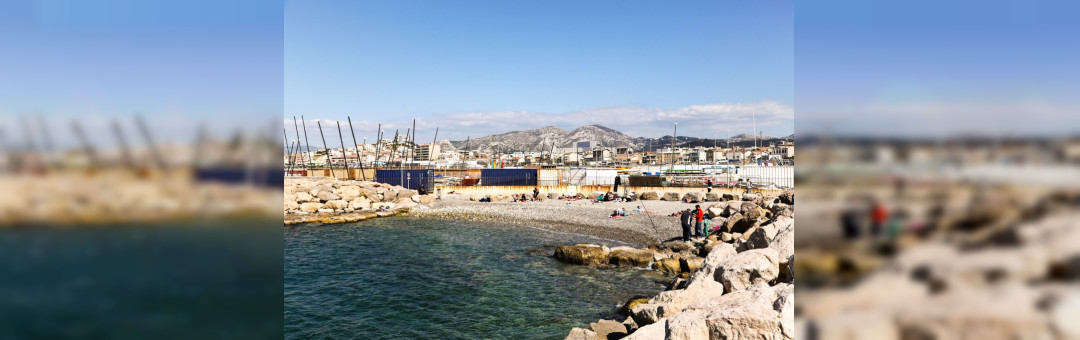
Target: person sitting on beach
622, 211
536, 193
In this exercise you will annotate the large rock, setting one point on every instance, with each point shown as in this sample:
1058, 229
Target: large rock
690, 264
427, 199
668, 265
291, 205
310, 207
587, 254
785, 304
745, 314
712, 197
608, 329
630, 257
761, 237
692, 197
781, 209
863, 324
784, 244
581, 334
670, 196
748, 268
316, 189
650, 195
649, 332
360, 203
712, 265
677, 246
405, 203
348, 192
730, 197
787, 197
327, 196
304, 197
688, 325
999, 312
336, 204
752, 212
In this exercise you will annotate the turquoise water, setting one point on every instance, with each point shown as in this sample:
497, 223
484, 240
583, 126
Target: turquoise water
404, 278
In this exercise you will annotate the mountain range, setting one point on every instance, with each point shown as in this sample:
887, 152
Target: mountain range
543, 139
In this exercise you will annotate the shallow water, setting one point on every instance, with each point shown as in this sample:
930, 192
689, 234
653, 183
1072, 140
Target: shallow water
418, 278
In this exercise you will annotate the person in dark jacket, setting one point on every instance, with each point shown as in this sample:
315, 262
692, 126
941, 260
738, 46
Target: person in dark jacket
618, 180
536, 193
685, 218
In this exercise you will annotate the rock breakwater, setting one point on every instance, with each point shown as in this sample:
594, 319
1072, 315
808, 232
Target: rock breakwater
328, 200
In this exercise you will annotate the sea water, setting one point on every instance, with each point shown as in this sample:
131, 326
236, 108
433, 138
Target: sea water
410, 278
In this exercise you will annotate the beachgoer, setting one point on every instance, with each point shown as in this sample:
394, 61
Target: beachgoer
618, 180
699, 215
536, 193
685, 219
850, 220
708, 183
878, 216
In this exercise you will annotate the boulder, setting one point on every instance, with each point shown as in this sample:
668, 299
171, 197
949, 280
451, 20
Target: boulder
336, 204
677, 246
348, 192
712, 265
761, 237
405, 203
731, 208
415, 198
360, 203
388, 196
310, 207
688, 325
690, 264
649, 332
587, 254
668, 265
290, 205
670, 196
726, 237
714, 211
427, 199
304, 197
608, 329
327, 196
650, 195
316, 189
787, 197
730, 197
712, 197
785, 304
552, 195
781, 209
581, 334
748, 268
692, 197
862, 324
630, 257
752, 212
745, 314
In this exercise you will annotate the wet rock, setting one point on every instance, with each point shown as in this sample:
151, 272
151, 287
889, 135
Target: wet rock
668, 265
690, 264
630, 257
677, 246
587, 254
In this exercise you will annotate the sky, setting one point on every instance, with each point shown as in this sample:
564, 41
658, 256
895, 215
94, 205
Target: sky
176, 63
938, 68
474, 68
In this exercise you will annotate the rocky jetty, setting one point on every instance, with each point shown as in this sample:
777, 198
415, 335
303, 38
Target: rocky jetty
736, 284
327, 200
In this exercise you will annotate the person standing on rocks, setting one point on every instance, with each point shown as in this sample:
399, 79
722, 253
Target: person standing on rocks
699, 216
685, 219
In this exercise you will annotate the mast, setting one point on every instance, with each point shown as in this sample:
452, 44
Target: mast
327, 149
359, 152
344, 155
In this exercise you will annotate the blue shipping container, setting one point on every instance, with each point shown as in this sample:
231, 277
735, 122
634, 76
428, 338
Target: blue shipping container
410, 179
489, 177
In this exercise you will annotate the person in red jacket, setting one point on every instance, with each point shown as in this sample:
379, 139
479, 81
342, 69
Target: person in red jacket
699, 216
878, 216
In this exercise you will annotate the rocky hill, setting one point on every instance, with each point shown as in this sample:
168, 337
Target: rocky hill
543, 138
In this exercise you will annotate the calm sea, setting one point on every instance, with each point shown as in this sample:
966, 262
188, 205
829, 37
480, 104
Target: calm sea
405, 278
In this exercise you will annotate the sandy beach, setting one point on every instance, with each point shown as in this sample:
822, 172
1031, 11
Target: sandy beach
581, 217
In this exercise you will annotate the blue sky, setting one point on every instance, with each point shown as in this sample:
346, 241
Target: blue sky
485, 67
933, 68
175, 62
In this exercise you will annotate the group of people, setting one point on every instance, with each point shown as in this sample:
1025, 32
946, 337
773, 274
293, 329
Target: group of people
525, 198
692, 218
623, 212
854, 218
